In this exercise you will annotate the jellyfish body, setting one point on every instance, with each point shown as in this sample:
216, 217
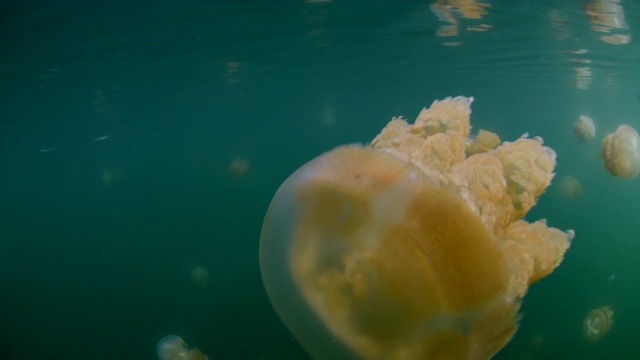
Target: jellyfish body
172, 347
169, 347
199, 277
537, 340
597, 323
621, 152
239, 166
570, 187
584, 128
409, 249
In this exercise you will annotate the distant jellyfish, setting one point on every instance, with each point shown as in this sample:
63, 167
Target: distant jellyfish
584, 128
172, 347
537, 340
570, 187
239, 166
107, 177
597, 323
621, 152
112, 176
199, 277
169, 347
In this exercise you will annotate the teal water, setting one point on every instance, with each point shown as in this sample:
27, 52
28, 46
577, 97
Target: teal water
119, 121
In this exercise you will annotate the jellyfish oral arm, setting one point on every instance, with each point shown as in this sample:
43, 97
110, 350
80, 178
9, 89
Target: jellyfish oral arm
592, 327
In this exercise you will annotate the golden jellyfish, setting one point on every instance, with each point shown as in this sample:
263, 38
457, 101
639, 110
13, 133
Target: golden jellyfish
408, 248
199, 277
584, 128
239, 166
597, 323
172, 347
570, 187
621, 152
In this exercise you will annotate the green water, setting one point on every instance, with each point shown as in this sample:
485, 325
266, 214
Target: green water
119, 121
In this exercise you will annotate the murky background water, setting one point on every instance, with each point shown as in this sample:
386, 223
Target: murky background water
119, 122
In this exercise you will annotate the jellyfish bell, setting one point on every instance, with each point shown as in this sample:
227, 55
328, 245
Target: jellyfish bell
410, 248
172, 347
570, 187
239, 166
584, 128
169, 347
199, 277
597, 323
537, 340
621, 152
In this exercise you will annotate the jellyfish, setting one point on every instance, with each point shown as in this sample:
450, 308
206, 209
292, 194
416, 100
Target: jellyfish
584, 128
199, 277
537, 340
597, 323
239, 166
172, 347
169, 347
621, 152
570, 187
407, 248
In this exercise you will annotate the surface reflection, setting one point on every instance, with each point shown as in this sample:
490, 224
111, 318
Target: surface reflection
451, 13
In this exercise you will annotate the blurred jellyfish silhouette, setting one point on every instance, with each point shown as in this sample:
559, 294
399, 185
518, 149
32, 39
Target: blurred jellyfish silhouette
537, 340
200, 277
597, 323
570, 187
621, 152
584, 128
239, 166
411, 248
172, 347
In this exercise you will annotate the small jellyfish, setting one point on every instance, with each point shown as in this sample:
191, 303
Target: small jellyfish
239, 166
537, 340
199, 277
584, 128
621, 152
172, 347
570, 187
169, 347
113, 176
597, 323
408, 248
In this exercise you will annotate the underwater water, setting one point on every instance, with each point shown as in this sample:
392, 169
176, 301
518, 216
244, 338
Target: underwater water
141, 143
